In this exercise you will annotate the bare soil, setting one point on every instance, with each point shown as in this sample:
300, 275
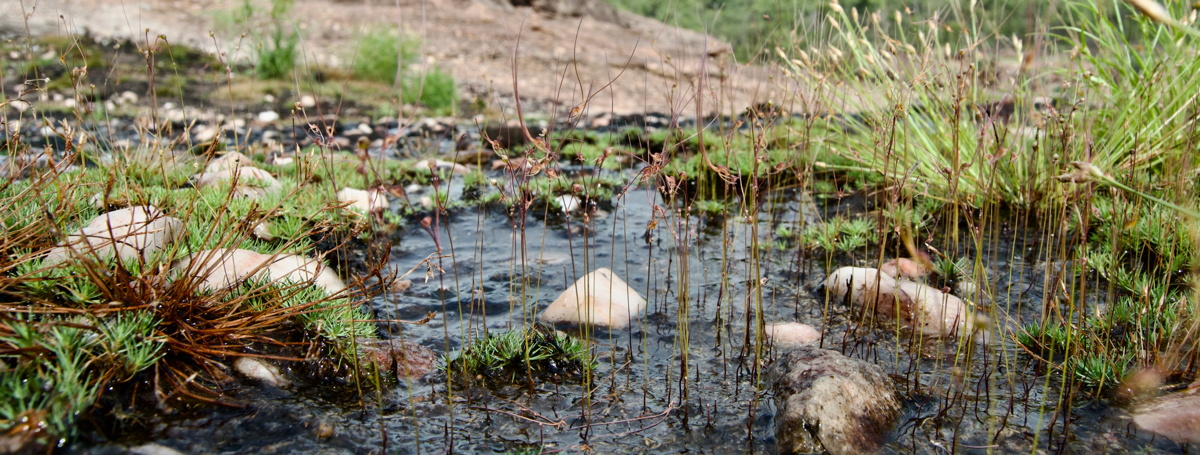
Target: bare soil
625, 63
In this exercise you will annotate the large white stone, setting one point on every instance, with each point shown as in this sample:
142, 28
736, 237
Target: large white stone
915, 306
250, 181
929, 310
786, 333
865, 286
1175, 416
599, 298
228, 161
134, 232
223, 268
366, 201
904, 268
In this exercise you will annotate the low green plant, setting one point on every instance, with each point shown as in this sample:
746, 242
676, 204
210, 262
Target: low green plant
436, 89
536, 353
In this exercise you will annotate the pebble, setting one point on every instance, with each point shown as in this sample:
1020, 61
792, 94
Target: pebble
259, 370
268, 116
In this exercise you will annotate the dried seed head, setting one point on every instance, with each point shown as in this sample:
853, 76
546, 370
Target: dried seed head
1153, 10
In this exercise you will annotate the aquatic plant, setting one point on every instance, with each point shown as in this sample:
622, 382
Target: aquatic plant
536, 353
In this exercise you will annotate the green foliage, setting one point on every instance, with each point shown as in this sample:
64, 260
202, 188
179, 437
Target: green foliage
382, 57
275, 52
538, 352
381, 54
841, 234
435, 89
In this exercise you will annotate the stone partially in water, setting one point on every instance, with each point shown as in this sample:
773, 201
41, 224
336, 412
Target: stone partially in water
915, 306
827, 401
1175, 416
865, 288
366, 201
929, 310
904, 268
224, 267
599, 298
406, 359
784, 333
259, 370
134, 232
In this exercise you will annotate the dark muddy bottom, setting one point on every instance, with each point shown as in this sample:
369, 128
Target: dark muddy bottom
685, 378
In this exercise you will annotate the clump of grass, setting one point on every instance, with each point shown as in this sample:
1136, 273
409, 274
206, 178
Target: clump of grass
275, 52
537, 353
436, 89
383, 57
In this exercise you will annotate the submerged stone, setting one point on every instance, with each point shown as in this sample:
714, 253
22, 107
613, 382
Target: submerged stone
829, 402
904, 268
785, 333
224, 267
406, 359
1175, 416
915, 306
134, 232
599, 298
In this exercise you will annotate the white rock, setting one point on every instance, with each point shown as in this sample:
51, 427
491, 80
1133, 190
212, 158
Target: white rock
251, 181
153, 449
791, 333
307, 101
204, 133
426, 202
568, 203
259, 370
904, 268
268, 116
134, 232
864, 285
453, 167
929, 310
1175, 416
231, 160
223, 268
366, 201
914, 305
599, 298
263, 231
